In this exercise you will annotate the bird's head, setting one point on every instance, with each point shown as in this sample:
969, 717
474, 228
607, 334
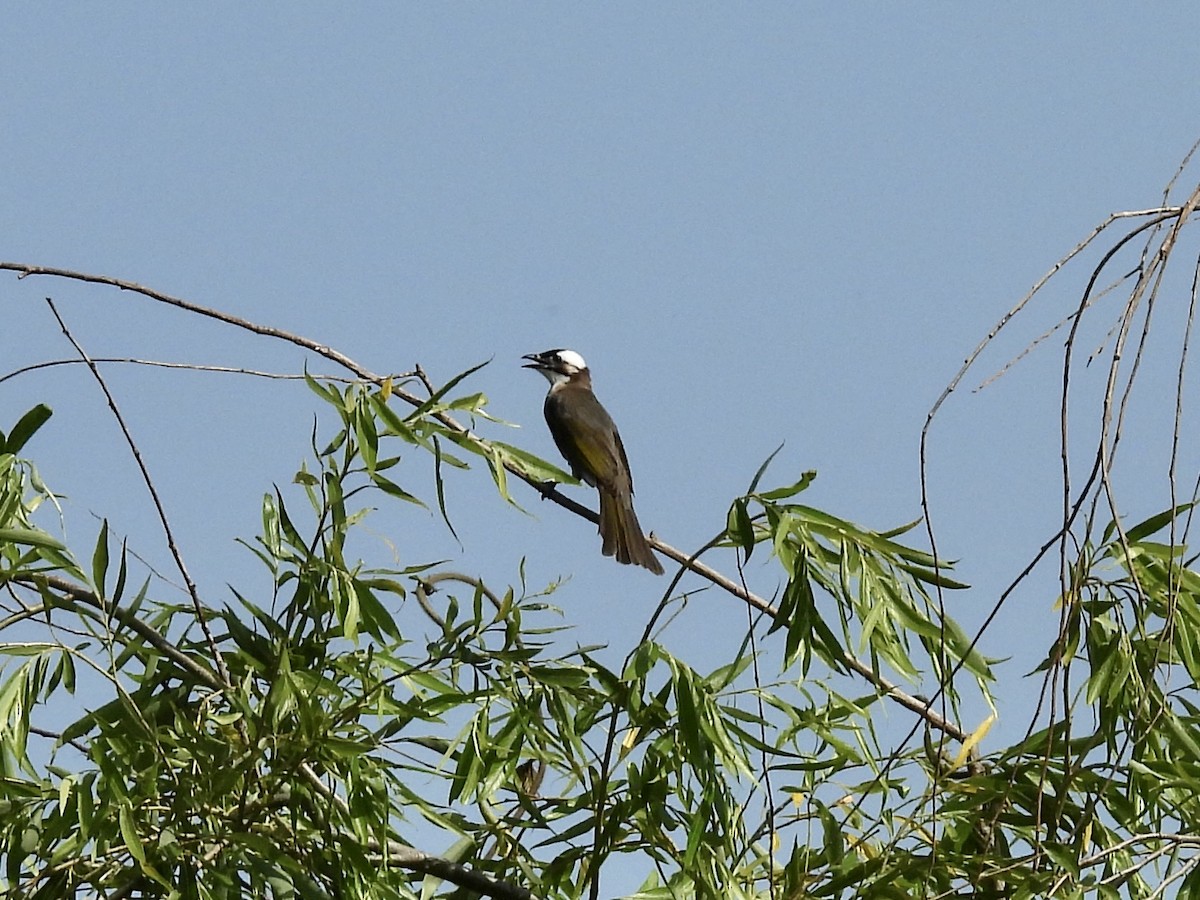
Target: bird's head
558, 366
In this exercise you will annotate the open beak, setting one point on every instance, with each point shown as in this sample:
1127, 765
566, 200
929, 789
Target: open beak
535, 361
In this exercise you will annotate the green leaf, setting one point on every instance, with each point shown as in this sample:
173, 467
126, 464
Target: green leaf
25, 428
32, 537
1153, 524
393, 422
458, 852
1183, 736
328, 394
739, 527
532, 466
270, 521
376, 620
368, 437
350, 613
469, 403
782, 493
832, 526
122, 572
933, 577
392, 489
689, 724
253, 645
762, 470
100, 559
495, 461
289, 532
440, 482
129, 834
429, 404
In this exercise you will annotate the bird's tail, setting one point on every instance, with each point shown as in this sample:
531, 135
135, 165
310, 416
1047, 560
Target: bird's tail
622, 535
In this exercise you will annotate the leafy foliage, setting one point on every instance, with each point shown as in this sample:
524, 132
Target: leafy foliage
367, 706
346, 729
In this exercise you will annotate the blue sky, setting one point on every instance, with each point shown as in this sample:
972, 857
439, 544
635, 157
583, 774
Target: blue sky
761, 224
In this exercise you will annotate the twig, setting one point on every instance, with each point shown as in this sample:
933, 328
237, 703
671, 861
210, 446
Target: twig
320, 349
882, 684
426, 586
56, 736
79, 594
191, 367
192, 590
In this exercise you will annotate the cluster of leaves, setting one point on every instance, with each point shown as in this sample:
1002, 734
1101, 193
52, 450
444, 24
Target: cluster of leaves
306, 739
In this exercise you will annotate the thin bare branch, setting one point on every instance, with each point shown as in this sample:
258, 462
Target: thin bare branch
192, 367
176, 553
24, 271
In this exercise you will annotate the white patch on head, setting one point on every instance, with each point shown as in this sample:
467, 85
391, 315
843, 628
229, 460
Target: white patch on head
571, 358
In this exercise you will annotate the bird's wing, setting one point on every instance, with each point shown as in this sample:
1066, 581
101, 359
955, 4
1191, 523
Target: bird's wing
588, 439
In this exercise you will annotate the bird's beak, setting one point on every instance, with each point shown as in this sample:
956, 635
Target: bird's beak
535, 361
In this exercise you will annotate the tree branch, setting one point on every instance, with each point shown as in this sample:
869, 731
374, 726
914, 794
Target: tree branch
914, 704
176, 553
79, 594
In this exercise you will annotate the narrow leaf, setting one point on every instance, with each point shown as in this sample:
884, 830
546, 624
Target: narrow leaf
534, 466
32, 537
1155, 523
762, 470
738, 526
100, 559
441, 392
782, 493
129, 834
25, 428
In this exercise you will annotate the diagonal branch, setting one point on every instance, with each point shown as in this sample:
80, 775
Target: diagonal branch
917, 705
76, 593
176, 553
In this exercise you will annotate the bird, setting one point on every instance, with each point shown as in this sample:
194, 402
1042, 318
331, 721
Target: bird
587, 438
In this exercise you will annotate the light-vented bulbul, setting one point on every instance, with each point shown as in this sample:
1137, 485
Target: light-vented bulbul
588, 440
